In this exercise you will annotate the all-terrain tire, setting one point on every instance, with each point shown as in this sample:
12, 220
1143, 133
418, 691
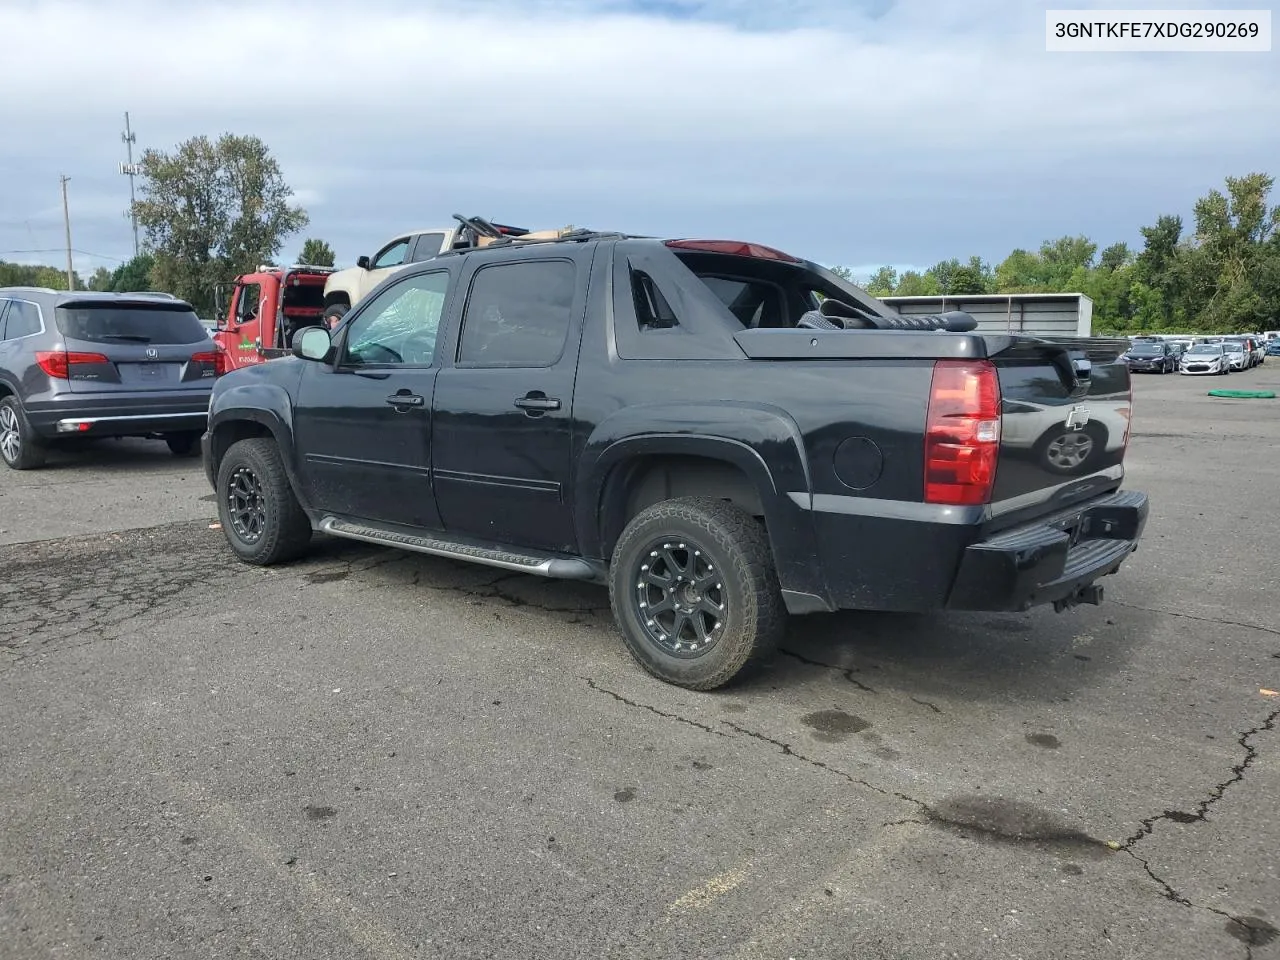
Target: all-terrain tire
20, 448
261, 518
708, 550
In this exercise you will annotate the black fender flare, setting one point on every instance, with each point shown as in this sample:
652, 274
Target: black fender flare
762, 441
266, 404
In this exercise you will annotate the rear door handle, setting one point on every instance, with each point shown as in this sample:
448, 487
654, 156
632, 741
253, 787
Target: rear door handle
404, 400
537, 403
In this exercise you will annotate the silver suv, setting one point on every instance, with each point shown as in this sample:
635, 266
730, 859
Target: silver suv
88, 364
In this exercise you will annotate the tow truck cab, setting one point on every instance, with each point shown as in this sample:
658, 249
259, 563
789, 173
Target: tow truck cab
265, 308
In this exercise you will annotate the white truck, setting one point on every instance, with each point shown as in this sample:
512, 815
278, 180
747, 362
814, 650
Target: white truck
345, 288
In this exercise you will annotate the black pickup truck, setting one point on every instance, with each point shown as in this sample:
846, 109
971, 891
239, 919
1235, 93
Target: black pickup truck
721, 432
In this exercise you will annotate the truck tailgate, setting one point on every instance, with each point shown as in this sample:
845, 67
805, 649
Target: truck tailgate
1065, 406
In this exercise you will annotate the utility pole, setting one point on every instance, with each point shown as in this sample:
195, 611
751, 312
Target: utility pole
130, 169
66, 219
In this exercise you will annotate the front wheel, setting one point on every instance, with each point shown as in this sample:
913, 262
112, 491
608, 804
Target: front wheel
695, 592
261, 518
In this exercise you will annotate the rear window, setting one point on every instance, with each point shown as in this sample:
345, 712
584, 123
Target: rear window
131, 323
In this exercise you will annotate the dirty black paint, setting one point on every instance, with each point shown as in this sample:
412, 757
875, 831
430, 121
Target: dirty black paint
834, 726
625, 795
1254, 931
319, 813
1046, 740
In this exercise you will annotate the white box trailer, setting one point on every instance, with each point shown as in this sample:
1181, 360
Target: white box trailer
1038, 314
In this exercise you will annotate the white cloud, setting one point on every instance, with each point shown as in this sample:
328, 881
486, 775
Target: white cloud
848, 131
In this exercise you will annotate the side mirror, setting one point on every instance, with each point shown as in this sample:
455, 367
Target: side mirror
364, 263
312, 343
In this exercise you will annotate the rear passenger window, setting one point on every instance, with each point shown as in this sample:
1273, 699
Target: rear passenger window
22, 320
755, 303
518, 314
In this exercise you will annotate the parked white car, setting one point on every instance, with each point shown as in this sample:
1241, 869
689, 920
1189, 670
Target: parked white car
1205, 358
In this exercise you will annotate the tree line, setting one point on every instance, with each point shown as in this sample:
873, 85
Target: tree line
1222, 275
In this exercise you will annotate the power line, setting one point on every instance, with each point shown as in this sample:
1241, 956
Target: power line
83, 253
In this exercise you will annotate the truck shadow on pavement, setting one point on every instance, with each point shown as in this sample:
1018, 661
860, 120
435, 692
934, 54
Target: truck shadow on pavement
972, 656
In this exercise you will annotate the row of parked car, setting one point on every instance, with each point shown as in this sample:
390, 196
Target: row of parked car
1199, 356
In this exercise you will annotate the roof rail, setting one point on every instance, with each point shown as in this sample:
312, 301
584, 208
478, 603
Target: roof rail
26, 288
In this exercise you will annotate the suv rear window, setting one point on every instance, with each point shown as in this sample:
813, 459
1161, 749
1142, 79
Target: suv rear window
131, 323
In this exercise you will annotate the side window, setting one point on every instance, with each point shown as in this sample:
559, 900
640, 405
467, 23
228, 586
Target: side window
21, 320
428, 246
4, 306
653, 311
400, 325
392, 255
247, 306
754, 303
518, 314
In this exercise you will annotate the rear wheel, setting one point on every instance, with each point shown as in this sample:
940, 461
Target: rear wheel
695, 593
261, 518
19, 446
186, 444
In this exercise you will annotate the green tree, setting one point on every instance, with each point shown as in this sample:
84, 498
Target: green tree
317, 253
211, 210
916, 284
134, 274
36, 275
883, 282
101, 279
844, 273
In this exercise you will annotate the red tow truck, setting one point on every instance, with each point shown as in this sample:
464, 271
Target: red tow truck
264, 310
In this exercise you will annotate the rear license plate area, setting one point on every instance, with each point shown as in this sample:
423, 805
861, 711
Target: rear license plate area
149, 374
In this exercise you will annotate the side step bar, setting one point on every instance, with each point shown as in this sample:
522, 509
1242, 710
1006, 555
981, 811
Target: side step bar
560, 568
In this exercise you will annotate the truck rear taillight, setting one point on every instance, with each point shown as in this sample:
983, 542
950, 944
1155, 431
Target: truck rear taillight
962, 433
216, 358
58, 363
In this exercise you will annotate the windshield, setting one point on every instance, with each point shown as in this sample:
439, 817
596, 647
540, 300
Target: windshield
1233, 347
1145, 352
1206, 348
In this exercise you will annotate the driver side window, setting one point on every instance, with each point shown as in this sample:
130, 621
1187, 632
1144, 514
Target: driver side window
400, 325
391, 256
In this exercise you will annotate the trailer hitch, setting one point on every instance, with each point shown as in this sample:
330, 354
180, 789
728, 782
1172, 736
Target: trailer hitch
1090, 594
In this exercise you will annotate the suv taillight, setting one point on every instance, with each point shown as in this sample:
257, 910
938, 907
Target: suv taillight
962, 433
216, 358
58, 363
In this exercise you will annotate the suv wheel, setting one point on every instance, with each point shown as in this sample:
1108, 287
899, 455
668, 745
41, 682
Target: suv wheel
19, 446
183, 444
261, 518
695, 593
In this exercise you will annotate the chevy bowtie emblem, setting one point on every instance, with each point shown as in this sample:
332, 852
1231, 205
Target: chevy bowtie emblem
152, 353
1077, 418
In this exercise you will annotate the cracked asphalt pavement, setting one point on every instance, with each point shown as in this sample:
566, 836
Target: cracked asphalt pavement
375, 754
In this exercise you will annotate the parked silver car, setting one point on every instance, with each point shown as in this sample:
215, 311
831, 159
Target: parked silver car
1239, 356
1205, 358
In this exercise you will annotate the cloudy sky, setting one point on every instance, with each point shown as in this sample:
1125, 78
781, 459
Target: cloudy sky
855, 132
